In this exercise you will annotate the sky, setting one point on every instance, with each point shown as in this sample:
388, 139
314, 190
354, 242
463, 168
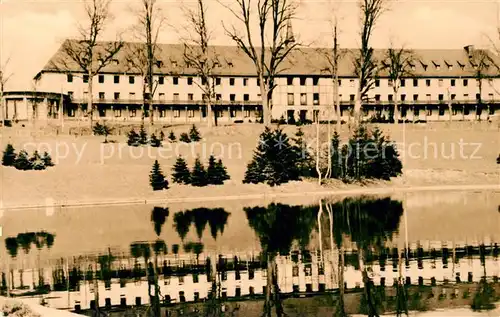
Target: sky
31, 31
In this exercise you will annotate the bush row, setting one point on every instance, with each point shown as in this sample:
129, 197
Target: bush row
23, 161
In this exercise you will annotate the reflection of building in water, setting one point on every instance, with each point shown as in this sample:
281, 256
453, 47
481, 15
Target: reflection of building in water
299, 272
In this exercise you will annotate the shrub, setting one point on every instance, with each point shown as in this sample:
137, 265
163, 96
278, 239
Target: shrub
133, 138
181, 174
274, 161
194, 134
143, 136
9, 156
37, 162
47, 160
171, 136
154, 141
304, 160
102, 129
22, 161
198, 175
156, 177
184, 138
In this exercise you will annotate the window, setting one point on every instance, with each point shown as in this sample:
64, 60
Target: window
403, 97
190, 113
315, 81
351, 82
116, 79
245, 81
132, 112
231, 81
101, 79
389, 83
131, 79
416, 111
454, 111
161, 95
69, 78
190, 81
159, 63
246, 97
453, 96
175, 80
377, 98
441, 111
70, 95
291, 100
452, 83
340, 82
428, 97
389, 97
161, 80
218, 97
163, 113
71, 112
289, 81
176, 96
428, 82
415, 97
403, 82
257, 82
351, 97
101, 95
85, 78
415, 83
490, 96
177, 113
117, 95
232, 97
131, 96
303, 81
478, 97
466, 82
247, 113
303, 99
117, 112
466, 96
203, 81
440, 83
190, 97
232, 114
217, 81
440, 97
220, 114
377, 82
315, 99
466, 111
429, 112
477, 83
491, 110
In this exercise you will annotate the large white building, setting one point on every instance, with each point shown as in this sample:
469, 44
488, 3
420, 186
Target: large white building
304, 88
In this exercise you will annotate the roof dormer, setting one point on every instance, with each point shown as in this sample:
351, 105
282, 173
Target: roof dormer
436, 65
424, 65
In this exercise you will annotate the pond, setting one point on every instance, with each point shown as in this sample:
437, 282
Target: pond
443, 244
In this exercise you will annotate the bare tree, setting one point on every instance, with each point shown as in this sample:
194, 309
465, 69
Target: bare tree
197, 55
4, 78
480, 62
365, 65
88, 53
397, 64
274, 19
142, 57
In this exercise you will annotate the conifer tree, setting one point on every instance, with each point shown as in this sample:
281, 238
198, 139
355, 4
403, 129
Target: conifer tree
22, 161
305, 163
184, 138
47, 160
222, 171
143, 136
102, 129
181, 174
171, 136
194, 134
133, 138
198, 175
9, 156
37, 162
156, 177
253, 174
154, 141
213, 176
337, 158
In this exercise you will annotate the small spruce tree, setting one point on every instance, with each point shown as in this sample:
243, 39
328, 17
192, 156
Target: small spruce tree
198, 175
171, 136
154, 141
47, 160
180, 172
305, 162
156, 177
213, 176
184, 138
194, 134
222, 171
36, 161
9, 156
22, 161
143, 136
133, 138
102, 129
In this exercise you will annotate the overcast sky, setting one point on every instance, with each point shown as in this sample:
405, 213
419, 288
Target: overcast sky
32, 30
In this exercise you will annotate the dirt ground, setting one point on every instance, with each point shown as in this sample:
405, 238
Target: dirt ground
89, 170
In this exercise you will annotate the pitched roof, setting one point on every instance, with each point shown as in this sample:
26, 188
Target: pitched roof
300, 61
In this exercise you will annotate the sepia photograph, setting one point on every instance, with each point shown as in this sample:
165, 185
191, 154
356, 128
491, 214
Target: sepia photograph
249, 158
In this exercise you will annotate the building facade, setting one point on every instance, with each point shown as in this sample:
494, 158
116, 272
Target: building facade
444, 85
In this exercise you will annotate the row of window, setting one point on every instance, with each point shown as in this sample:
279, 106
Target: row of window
132, 113
290, 81
176, 96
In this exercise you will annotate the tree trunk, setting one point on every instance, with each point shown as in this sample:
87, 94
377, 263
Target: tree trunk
396, 110
90, 103
266, 111
357, 109
318, 170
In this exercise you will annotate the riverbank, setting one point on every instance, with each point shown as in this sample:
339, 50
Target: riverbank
90, 172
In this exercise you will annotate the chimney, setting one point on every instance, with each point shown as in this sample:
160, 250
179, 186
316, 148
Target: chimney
469, 49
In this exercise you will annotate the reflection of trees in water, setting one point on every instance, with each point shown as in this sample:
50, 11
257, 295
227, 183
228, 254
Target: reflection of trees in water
277, 227
216, 218
159, 216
